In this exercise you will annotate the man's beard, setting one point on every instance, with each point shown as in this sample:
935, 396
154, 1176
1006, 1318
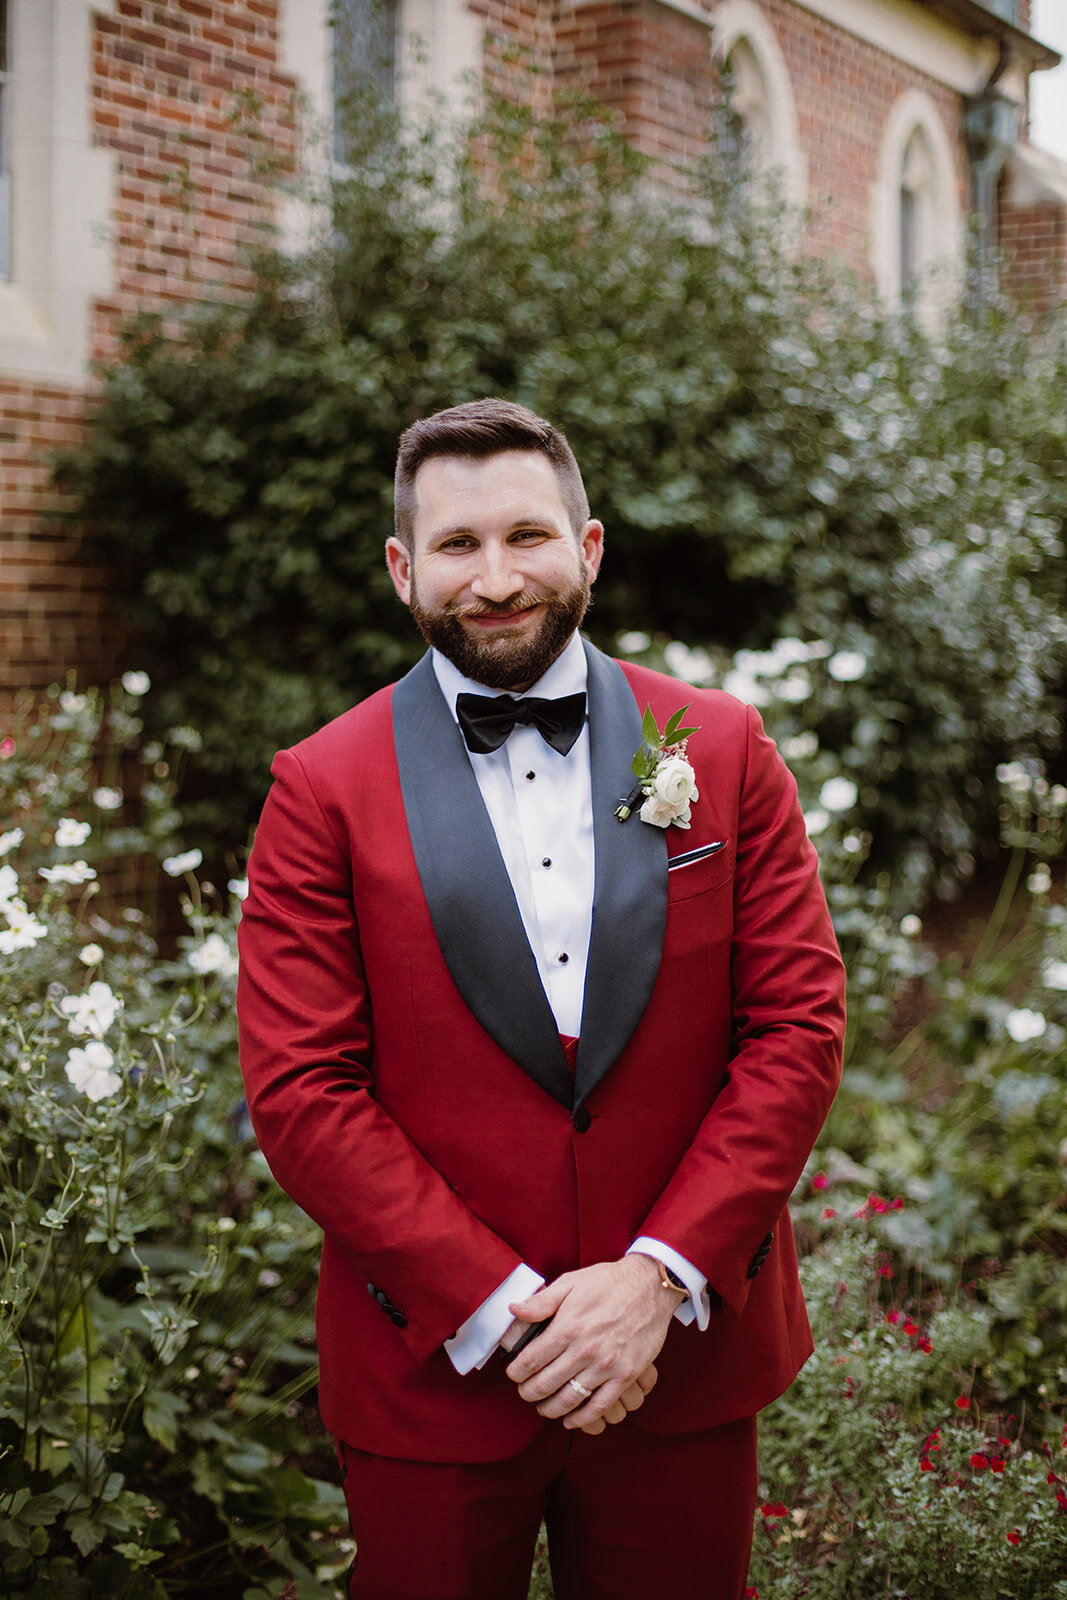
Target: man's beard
504, 660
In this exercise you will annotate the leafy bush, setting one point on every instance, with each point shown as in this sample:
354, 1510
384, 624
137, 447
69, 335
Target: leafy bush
769, 455
155, 1290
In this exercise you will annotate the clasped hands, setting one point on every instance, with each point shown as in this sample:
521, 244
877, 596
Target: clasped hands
608, 1325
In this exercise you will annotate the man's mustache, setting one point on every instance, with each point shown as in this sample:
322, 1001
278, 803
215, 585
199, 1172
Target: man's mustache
519, 602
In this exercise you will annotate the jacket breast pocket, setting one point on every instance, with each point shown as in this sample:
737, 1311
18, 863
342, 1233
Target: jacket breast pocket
698, 868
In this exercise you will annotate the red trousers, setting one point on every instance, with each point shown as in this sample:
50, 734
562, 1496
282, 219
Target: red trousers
630, 1515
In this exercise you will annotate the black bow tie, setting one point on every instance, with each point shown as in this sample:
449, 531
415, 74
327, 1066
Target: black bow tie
487, 720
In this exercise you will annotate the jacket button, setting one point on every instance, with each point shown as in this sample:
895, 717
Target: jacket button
372, 1290
581, 1119
398, 1319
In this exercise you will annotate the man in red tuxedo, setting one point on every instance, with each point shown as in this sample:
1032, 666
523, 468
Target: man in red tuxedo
544, 1078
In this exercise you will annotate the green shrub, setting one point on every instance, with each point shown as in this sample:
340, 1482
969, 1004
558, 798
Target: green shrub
156, 1356
770, 457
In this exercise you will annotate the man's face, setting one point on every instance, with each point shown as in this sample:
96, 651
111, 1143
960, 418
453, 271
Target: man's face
497, 580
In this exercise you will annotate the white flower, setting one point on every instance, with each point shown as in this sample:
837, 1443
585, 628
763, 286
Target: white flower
89, 1070
185, 738
92, 1012
675, 781
1054, 974
911, 926
9, 885
790, 651
632, 643
136, 683
838, 794
1040, 880
1013, 775
71, 702
269, 1279
1023, 1025
847, 665
660, 813
795, 688
816, 821
214, 955
188, 861
23, 929
8, 841
238, 887
107, 799
68, 872
800, 746
91, 954
71, 833
226, 1224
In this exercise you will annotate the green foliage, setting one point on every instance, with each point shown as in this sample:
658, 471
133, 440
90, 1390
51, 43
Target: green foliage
156, 1363
770, 457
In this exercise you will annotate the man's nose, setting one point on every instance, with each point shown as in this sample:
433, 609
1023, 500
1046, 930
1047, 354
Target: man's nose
499, 575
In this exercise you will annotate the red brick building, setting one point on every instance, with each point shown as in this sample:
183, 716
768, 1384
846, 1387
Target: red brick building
138, 139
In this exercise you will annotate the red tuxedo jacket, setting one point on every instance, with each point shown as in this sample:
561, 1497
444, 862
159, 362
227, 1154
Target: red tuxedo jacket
409, 1089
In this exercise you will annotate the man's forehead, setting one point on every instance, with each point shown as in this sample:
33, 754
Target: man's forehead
524, 481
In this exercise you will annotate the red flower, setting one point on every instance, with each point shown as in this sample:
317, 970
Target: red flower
963, 1402
877, 1204
979, 1462
1051, 1478
893, 1317
933, 1442
898, 1203
1015, 1537
911, 1328
885, 1270
926, 1347
997, 1464
926, 1465
819, 1182
829, 1214
1061, 1499
751, 1594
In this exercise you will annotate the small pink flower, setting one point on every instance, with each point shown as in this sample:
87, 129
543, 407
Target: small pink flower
829, 1214
7, 748
819, 1182
893, 1317
898, 1203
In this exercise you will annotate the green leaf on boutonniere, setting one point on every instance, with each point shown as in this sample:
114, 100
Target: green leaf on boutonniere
650, 728
671, 734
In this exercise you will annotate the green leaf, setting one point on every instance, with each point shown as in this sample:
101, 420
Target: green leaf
680, 734
650, 728
161, 1412
670, 732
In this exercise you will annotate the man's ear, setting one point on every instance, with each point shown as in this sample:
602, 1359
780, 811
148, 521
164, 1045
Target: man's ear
591, 546
398, 560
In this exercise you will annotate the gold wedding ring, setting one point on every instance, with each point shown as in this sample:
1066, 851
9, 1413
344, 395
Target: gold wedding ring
581, 1388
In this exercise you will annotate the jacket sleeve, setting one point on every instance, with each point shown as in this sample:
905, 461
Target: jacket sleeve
305, 1032
787, 986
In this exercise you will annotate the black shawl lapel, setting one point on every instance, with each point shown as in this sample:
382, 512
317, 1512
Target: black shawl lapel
467, 888
630, 893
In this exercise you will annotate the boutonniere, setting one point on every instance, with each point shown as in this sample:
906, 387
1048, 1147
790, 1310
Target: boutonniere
663, 774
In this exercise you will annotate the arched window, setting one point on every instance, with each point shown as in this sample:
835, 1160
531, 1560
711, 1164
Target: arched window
761, 125
916, 241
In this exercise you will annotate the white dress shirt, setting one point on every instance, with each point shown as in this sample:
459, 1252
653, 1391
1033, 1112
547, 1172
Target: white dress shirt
541, 807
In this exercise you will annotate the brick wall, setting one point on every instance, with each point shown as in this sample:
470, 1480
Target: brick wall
1034, 242
188, 96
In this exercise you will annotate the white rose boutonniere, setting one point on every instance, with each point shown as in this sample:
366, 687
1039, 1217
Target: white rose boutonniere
664, 777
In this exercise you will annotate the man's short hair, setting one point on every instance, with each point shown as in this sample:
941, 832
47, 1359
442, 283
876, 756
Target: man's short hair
483, 428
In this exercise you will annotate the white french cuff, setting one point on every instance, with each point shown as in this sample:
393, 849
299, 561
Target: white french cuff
698, 1306
473, 1344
